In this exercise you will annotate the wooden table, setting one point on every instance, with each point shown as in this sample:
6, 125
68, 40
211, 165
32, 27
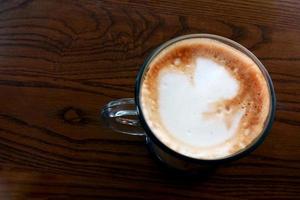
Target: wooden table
61, 61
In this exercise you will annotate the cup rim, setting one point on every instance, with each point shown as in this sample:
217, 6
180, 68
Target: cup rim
235, 156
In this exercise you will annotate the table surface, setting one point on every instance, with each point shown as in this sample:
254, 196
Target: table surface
61, 61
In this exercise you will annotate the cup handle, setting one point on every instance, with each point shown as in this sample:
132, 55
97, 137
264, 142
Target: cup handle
121, 116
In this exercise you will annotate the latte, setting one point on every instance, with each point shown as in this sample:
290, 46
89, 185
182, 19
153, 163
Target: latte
204, 99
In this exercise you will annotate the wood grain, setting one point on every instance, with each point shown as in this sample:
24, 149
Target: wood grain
61, 61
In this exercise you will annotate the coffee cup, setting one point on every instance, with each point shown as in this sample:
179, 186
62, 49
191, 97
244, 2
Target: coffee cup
200, 100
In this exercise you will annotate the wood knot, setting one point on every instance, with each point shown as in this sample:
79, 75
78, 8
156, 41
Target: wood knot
74, 116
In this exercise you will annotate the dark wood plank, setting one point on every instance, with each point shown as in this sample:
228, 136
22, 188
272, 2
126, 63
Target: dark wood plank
61, 61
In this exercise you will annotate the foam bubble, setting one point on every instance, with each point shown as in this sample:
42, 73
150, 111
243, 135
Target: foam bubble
177, 61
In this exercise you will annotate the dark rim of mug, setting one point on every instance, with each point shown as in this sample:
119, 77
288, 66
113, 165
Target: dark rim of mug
237, 155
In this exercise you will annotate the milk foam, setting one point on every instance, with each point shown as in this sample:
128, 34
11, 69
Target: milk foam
183, 101
204, 99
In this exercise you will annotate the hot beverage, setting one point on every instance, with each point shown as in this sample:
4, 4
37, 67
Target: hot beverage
204, 99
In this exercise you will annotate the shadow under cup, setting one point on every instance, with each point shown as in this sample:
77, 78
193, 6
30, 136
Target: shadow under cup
126, 115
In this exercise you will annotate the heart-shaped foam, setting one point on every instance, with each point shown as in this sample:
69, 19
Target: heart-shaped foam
184, 101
